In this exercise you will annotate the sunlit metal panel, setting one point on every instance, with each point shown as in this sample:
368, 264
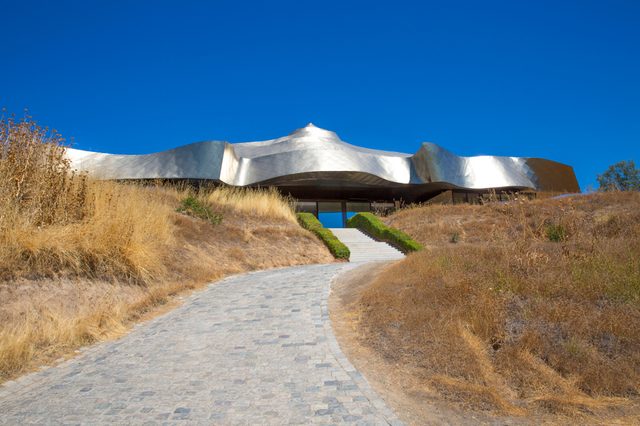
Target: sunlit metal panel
311, 157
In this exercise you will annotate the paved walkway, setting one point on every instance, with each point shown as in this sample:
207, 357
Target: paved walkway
251, 349
364, 248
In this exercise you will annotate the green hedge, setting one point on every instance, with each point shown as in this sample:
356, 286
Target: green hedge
335, 246
373, 226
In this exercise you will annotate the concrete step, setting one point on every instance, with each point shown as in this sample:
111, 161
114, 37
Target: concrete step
364, 248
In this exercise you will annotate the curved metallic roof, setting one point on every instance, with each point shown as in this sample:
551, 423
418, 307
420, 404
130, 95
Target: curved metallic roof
314, 156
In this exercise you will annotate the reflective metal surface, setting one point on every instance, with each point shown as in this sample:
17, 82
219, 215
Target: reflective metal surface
311, 157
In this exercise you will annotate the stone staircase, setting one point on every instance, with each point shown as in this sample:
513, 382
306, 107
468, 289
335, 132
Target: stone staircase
364, 248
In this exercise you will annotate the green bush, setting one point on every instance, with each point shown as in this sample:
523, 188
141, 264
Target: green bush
197, 208
373, 226
335, 246
556, 233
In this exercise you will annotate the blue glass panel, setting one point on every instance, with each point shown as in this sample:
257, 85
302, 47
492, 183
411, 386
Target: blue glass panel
331, 220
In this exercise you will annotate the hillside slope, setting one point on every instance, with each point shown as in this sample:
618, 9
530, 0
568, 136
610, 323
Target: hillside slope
526, 308
68, 286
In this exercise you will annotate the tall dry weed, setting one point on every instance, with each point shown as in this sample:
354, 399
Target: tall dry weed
37, 185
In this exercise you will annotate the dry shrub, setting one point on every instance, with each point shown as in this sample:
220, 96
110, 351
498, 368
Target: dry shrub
37, 187
511, 321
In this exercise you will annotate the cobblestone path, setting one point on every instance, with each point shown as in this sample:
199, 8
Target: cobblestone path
251, 349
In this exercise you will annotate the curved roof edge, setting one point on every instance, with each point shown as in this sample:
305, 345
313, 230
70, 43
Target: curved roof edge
312, 151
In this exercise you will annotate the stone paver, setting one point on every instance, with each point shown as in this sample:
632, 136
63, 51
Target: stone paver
251, 349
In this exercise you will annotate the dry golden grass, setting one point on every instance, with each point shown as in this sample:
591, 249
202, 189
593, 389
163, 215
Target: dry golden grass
509, 321
81, 259
124, 236
258, 202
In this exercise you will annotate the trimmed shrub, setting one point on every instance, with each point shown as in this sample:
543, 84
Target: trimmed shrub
335, 246
373, 226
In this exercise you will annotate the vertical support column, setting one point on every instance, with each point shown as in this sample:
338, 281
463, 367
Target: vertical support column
343, 204
317, 211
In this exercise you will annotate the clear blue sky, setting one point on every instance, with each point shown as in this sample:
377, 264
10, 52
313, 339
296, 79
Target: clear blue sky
553, 79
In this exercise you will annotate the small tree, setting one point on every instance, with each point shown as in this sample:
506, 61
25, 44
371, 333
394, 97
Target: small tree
622, 176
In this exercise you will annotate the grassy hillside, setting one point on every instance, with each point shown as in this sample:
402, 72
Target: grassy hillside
519, 308
81, 259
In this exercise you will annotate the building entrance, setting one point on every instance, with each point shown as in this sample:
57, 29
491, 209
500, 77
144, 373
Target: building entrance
334, 214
